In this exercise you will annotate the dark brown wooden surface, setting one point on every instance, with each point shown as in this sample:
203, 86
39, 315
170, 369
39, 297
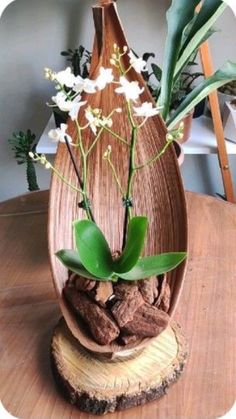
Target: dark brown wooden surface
206, 312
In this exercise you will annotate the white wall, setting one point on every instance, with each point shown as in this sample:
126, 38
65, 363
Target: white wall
32, 34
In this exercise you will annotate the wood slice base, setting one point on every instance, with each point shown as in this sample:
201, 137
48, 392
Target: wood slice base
99, 385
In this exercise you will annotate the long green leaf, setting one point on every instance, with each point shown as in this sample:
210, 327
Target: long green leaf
178, 16
210, 11
94, 251
71, 260
226, 74
154, 265
134, 245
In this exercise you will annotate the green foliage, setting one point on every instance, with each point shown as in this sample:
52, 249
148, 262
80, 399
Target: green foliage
154, 265
93, 258
80, 59
22, 143
94, 251
187, 30
226, 74
137, 229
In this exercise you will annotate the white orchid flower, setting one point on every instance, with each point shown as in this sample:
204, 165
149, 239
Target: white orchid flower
137, 63
94, 121
105, 77
60, 100
65, 77
86, 85
131, 90
146, 110
71, 106
78, 84
89, 86
59, 134
75, 107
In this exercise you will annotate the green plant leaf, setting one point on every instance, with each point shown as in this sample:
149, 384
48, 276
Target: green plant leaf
226, 74
200, 31
71, 260
154, 265
93, 249
134, 245
178, 16
156, 71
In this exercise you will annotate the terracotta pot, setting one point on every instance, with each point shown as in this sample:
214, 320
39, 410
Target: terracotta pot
187, 120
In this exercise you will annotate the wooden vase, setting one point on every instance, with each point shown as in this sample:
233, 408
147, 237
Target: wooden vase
158, 190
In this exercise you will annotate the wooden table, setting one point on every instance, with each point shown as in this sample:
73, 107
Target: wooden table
29, 312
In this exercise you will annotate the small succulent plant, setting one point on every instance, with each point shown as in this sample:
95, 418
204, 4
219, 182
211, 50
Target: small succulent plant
23, 143
80, 59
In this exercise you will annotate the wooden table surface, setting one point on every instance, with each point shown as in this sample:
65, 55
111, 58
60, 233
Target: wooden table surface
206, 312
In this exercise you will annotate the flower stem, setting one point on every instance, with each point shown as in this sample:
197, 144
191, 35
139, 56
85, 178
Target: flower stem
116, 135
115, 176
155, 158
128, 210
86, 203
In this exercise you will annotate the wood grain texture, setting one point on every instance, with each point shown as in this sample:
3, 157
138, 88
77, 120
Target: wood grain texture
206, 312
158, 190
96, 384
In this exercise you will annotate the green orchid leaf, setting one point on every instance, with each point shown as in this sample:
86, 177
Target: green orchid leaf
154, 265
93, 249
200, 31
178, 16
134, 245
71, 260
226, 74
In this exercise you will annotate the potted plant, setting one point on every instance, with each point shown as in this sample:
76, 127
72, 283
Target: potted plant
226, 93
121, 297
186, 31
182, 87
23, 143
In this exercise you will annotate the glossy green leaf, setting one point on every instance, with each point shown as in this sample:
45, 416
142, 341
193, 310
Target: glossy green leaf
178, 16
94, 251
154, 265
226, 74
134, 245
71, 260
200, 31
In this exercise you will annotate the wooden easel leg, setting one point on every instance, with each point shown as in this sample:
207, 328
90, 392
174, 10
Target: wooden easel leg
218, 127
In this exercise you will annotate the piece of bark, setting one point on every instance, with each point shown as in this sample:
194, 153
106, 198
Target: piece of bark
165, 301
123, 290
123, 310
83, 284
149, 289
102, 327
102, 292
148, 321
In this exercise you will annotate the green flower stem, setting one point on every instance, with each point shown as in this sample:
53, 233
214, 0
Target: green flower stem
155, 158
66, 181
116, 135
95, 141
115, 175
84, 175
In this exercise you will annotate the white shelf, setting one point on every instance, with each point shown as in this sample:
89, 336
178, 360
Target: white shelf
202, 141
